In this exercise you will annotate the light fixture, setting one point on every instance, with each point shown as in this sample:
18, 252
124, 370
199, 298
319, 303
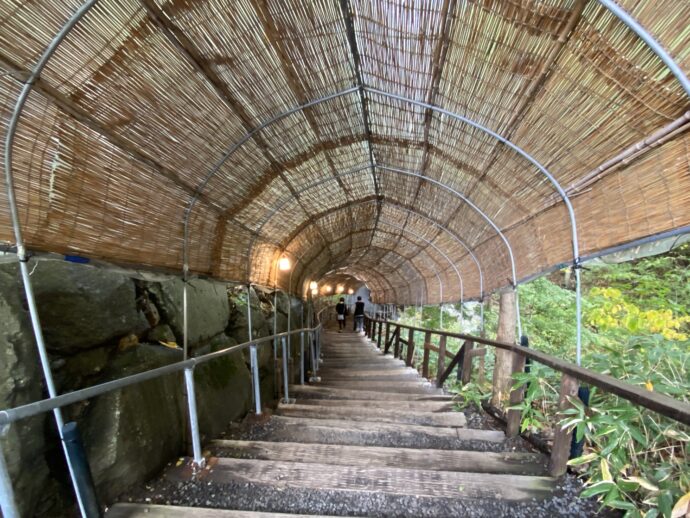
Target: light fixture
284, 263
313, 286
327, 289
340, 288
315, 292
350, 291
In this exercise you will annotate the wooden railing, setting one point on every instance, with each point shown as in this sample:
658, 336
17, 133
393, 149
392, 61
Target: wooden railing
571, 376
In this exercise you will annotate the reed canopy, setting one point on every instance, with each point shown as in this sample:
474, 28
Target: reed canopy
415, 145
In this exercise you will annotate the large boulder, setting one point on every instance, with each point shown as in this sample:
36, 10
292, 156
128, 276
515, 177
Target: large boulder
223, 388
238, 325
82, 307
131, 434
21, 383
207, 308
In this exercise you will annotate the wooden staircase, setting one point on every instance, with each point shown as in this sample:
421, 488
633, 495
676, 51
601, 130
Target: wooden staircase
371, 427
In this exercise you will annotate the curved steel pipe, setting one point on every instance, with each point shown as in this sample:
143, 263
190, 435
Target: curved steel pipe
651, 42
16, 227
356, 170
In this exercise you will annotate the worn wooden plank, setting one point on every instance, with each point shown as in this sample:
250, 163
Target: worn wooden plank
397, 377
379, 415
397, 481
315, 391
127, 510
419, 406
365, 433
403, 387
356, 372
373, 456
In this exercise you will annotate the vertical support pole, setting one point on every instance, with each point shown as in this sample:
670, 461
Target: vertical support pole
514, 417
254, 365
425, 362
275, 332
8, 505
441, 362
253, 356
410, 347
466, 365
185, 318
199, 460
82, 471
561, 439
301, 358
286, 383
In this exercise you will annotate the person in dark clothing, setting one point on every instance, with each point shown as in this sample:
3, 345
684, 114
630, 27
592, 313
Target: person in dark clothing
359, 316
341, 311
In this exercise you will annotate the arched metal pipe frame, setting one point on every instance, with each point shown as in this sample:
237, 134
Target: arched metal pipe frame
354, 171
436, 272
379, 276
420, 278
440, 282
616, 10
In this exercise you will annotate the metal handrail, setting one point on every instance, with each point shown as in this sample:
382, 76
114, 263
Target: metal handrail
11, 415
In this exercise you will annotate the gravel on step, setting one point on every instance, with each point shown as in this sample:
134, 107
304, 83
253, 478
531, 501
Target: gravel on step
257, 497
274, 430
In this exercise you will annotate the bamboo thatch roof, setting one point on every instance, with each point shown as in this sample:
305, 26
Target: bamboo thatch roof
149, 104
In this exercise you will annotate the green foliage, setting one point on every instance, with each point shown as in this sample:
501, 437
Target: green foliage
636, 328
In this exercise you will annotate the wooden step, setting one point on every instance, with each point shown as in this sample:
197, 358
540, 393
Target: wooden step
319, 391
418, 483
419, 406
170, 511
398, 387
371, 456
368, 433
379, 415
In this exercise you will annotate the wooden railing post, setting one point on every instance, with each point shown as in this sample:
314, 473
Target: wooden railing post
379, 335
441, 362
425, 362
388, 334
514, 417
466, 366
410, 347
396, 347
562, 438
